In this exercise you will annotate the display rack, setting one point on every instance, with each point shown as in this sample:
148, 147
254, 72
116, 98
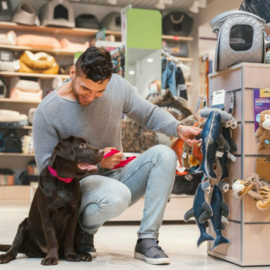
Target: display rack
249, 227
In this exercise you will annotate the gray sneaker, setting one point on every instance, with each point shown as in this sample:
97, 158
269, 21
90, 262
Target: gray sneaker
149, 250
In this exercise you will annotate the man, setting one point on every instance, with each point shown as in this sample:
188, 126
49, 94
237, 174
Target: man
90, 106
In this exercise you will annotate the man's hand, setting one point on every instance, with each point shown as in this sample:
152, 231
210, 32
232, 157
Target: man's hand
112, 161
188, 134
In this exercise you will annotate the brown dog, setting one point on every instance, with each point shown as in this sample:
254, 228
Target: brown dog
49, 230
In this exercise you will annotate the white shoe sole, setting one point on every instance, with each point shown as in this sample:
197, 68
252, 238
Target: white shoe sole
152, 260
93, 254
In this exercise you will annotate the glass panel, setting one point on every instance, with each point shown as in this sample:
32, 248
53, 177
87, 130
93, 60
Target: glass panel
241, 37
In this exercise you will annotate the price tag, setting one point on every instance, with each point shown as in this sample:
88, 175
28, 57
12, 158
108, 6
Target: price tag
219, 154
219, 99
17, 65
4, 5
232, 157
205, 105
184, 155
178, 168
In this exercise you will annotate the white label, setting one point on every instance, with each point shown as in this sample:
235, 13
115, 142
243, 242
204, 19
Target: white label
181, 170
4, 5
219, 154
219, 97
16, 65
232, 157
184, 155
205, 105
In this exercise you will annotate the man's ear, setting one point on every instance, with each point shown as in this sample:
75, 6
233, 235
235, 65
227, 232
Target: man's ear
64, 149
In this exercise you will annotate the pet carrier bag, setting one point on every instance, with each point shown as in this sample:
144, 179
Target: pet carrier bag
112, 21
25, 14
57, 13
88, 21
177, 24
240, 38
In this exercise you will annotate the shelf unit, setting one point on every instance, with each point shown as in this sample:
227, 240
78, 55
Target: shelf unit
23, 127
9, 100
16, 155
36, 75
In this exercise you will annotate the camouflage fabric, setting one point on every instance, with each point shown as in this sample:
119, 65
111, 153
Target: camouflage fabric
136, 138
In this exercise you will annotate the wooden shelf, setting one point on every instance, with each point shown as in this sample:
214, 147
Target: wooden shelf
16, 155
24, 127
54, 31
177, 38
35, 75
50, 51
9, 100
185, 59
189, 83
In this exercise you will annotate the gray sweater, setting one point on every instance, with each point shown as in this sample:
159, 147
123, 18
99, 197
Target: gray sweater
99, 123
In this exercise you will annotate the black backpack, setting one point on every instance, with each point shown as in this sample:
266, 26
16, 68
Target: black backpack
10, 143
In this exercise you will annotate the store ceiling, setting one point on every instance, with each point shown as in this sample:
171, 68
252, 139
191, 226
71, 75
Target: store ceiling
145, 4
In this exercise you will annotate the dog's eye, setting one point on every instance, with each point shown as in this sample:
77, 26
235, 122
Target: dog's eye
83, 145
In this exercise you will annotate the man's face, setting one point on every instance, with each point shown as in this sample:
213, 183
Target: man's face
86, 91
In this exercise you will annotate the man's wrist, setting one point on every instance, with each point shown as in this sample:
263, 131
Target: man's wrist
179, 127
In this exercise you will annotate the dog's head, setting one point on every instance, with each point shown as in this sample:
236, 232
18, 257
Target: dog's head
74, 157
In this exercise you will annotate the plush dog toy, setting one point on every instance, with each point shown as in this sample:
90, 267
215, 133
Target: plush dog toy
263, 131
256, 187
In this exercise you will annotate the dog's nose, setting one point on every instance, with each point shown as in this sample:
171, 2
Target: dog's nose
101, 152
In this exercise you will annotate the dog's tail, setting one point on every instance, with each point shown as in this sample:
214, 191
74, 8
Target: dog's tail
5, 247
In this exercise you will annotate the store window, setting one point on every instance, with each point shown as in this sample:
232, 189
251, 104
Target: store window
241, 37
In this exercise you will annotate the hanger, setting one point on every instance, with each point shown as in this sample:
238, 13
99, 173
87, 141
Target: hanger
176, 60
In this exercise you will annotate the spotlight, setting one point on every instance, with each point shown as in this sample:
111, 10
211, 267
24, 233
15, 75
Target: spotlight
131, 72
150, 60
112, 2
160, 4
195, 7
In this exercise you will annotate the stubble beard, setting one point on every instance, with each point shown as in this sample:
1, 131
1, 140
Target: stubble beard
73, 87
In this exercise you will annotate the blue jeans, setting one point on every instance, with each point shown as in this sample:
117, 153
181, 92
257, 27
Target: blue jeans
105, 197
168, 75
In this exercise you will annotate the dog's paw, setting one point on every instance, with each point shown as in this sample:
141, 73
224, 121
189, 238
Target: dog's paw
5, 258
85, 257
73, 258
49, 261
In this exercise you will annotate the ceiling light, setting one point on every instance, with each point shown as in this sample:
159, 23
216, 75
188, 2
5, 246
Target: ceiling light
195, 7
131, 72
202, 3
160, 4
112, 2
150, 60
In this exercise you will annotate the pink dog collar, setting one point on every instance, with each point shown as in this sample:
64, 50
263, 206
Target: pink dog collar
54, 173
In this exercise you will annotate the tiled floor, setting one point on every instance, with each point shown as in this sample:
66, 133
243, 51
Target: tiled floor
115, 246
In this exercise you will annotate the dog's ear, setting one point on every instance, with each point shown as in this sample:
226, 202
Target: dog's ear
64, 149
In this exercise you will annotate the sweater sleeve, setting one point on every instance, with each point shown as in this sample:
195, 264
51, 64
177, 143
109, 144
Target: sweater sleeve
45, 138
147, 114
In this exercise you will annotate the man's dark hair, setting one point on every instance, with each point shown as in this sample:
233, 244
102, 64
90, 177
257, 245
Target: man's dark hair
95, 63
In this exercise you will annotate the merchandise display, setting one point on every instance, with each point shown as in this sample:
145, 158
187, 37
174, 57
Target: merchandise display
256, 187
38, 63
235, 31
118, 59
176, 49
25, 14
3, 88
173, 76
12, 119
31, 114
27, 144
6, 10
88, 21
36, 41
67, 45
10, 142
263, 132
112, 21
9, 38
57, 13
177, 24
7, 177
